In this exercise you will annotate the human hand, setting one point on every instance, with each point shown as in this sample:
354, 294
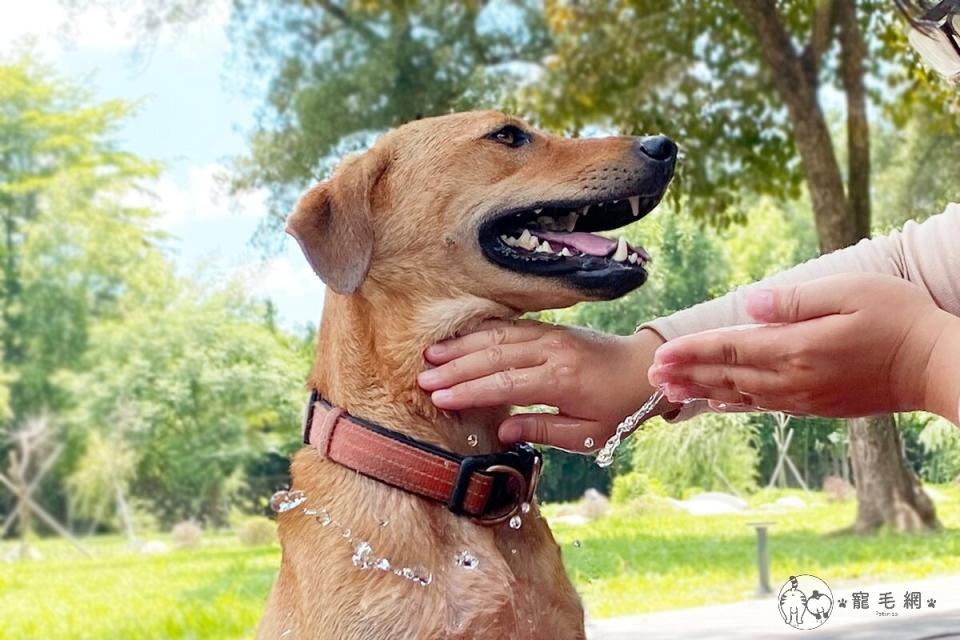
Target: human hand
842, 346
594, 379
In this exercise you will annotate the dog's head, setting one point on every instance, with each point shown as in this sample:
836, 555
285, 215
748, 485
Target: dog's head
482, 204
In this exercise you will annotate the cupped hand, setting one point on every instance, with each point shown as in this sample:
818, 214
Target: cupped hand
843, 346
594, 379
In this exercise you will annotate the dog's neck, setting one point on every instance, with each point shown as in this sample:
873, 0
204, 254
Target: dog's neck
370, 350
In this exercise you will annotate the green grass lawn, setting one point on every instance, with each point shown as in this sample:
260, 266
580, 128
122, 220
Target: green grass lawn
632, 561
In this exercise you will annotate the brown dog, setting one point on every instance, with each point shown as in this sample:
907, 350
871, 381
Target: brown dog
444, 223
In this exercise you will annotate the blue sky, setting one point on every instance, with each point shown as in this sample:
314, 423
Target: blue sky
191, 120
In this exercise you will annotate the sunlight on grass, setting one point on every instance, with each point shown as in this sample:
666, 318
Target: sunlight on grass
635, 560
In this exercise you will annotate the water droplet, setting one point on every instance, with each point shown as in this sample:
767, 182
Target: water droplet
283, 501
513, 551
466, 560
576, 543
347, 533
382, 564
323, 517
588, 443
525, 507
472, 440
382, 522
311, 512
286, 633
516, 522
361, 555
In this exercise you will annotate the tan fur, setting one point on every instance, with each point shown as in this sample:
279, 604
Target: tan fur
422, 278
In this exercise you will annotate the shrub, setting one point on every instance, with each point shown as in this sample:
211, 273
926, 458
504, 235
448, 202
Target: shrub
258, 531
632, 486
837, 489
714, 452
186, 534
941, 442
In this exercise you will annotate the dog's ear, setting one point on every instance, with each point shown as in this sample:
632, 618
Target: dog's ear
332, 222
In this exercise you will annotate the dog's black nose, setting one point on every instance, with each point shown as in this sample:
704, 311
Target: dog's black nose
659, 148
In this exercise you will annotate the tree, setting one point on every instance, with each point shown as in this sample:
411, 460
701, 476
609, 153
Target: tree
742, 85
61, 182
204, 388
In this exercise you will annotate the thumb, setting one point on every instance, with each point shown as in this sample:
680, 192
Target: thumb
563, 432
796, 303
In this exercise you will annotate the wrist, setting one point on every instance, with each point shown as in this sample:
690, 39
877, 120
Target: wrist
641, 347
942, 379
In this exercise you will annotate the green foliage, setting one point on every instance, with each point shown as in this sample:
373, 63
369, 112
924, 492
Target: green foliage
628, 487
61, 182
715, 452
210, 386
941, 441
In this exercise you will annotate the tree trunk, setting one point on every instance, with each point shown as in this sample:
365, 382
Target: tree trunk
888, 493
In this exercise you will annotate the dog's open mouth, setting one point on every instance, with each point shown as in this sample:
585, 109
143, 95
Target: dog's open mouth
559, 238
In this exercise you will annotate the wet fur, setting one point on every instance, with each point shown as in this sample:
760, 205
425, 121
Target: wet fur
419, 277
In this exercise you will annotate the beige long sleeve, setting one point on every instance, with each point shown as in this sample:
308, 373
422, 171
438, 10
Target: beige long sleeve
927, 254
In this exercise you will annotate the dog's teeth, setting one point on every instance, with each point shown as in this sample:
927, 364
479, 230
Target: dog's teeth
565, 252
524, 238
632, 258
621, 253
507, 240
584, 211
544, 247
537, 211
615, 201
571, 221
635, 205
545, 221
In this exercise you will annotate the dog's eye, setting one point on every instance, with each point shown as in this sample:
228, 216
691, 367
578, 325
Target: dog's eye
510, 136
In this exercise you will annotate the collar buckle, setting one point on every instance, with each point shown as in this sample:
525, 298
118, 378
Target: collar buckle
516, 474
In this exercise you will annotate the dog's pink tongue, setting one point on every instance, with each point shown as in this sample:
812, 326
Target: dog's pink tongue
588, 243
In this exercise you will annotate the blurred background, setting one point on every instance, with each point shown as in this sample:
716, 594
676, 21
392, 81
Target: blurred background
157, 325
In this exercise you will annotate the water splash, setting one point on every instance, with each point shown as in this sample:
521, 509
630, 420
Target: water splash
516, 522
283, 501
576, 543
466, 560
364, 556
472, 440
625, 428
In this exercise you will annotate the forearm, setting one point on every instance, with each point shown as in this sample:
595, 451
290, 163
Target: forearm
943, 377
921, 253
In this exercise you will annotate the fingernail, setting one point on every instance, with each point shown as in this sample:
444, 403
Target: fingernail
665, 355
428, 376
510, 432
435, 351
441, 396
760, 303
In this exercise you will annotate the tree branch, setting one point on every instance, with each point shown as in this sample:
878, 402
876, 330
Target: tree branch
824, 21
349, 21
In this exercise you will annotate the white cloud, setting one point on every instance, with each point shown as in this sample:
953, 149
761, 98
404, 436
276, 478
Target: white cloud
57, 29
202, 196
289, 282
